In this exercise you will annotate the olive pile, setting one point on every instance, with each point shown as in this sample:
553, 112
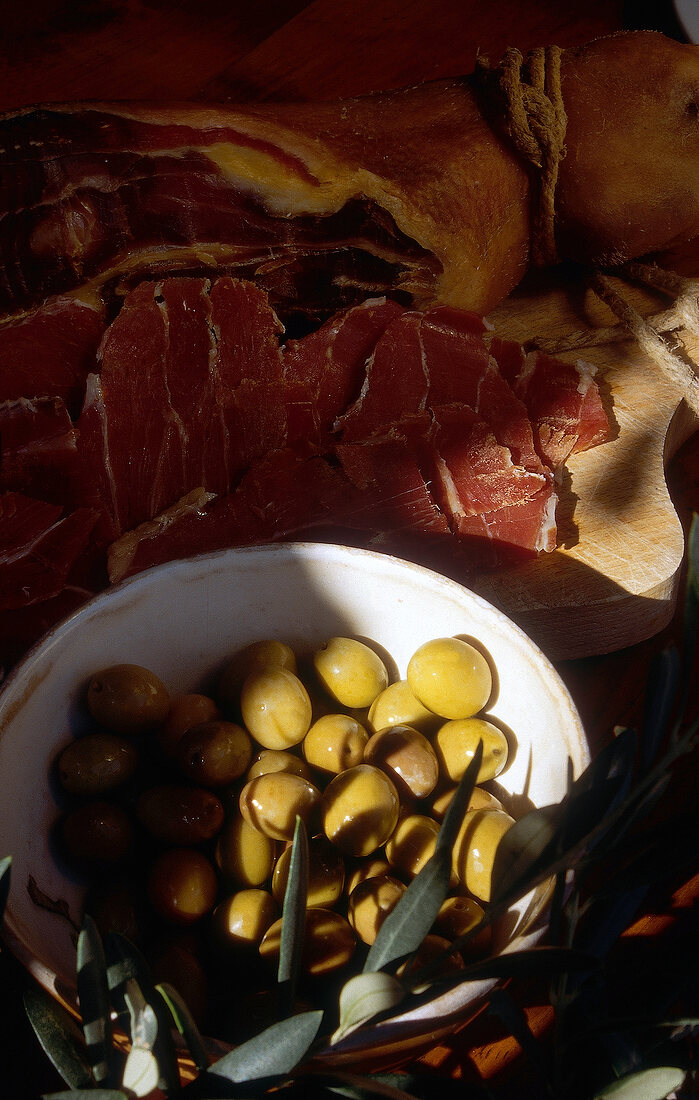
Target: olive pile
181, 808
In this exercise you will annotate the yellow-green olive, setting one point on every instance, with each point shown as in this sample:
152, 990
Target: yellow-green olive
450, 677
329, 942
360, 810
370, 903
480, 800
277, 760
214, 753
178, 814
412, 843
457, 740
326, 874
98, 832
127, 698
271, 803
263, 654
358, 870
243, 853
96, 763
185, 711
475, 848
407, 757
335, 742
182, 885
457, 916
350, 671
398, 706
276, 708
242, 919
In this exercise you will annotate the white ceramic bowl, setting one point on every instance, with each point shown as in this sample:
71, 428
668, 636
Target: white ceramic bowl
181, 620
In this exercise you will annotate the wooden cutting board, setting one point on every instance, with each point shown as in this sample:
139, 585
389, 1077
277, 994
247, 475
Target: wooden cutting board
614, 580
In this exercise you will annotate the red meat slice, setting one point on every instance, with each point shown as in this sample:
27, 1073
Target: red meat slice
325, 370
50, 352
37, 447
562, 399
38, 548
21, 627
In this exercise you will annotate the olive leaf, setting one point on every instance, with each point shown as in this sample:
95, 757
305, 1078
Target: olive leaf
293, 918
5, 875
88, 1094
184, 1022
273, 1053
661, 697
646, 1084
95, 1006
408, 923
60, 1037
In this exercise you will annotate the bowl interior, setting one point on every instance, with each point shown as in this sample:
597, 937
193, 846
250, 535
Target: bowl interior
182, 620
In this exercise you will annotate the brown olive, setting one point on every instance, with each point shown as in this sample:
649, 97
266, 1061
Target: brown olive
243, 853
370, 903
433, 950
407, 757
277, 760
335, 742
127, 698
176, 960
214, 753
185, 711
360, 810
328, 945
180, 815
182, 885
271, 803
241, 920
96, 763
326, 874
412, 843
251, 658
98, 833
475, 849
117, 905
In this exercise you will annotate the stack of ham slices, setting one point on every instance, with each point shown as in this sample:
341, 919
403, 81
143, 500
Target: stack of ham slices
187, 424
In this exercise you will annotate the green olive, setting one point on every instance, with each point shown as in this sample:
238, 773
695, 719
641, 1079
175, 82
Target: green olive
98, 833
214, 753
370, 903
182, 885
360, 810
276, 708
397, 706
475, 848
277, 760
407, 757
412, 843
326, 874
180, 815
456, 742
350, 671
127, 698
328, 945
271, 803
242, 919
251, 658
457, 916
480, 800
96, 763
450, 677
185, 711
243, 853
358, 870
335, 742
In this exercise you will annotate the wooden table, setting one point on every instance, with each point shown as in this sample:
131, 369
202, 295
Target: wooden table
56, 50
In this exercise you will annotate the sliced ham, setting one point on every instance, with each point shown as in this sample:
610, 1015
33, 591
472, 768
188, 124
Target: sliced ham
38, 447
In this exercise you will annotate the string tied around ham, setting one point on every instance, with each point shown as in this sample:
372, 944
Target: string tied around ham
527, 93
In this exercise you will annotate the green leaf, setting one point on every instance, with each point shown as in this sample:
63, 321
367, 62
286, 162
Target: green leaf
456, 810
293, 919
87, 1094
5, 874
184, 1022
93, 996
661, 696
408, 923
534, 962
60, 1036
646, 1084
526, 848
273, 1053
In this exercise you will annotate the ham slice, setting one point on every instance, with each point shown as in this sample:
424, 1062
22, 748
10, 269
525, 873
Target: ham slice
38, 447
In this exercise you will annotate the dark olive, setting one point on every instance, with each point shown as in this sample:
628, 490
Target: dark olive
96, 763
214, 753
98, 833
179, 814
185, 711
127, 698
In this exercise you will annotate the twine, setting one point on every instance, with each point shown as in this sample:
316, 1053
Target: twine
528, 96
